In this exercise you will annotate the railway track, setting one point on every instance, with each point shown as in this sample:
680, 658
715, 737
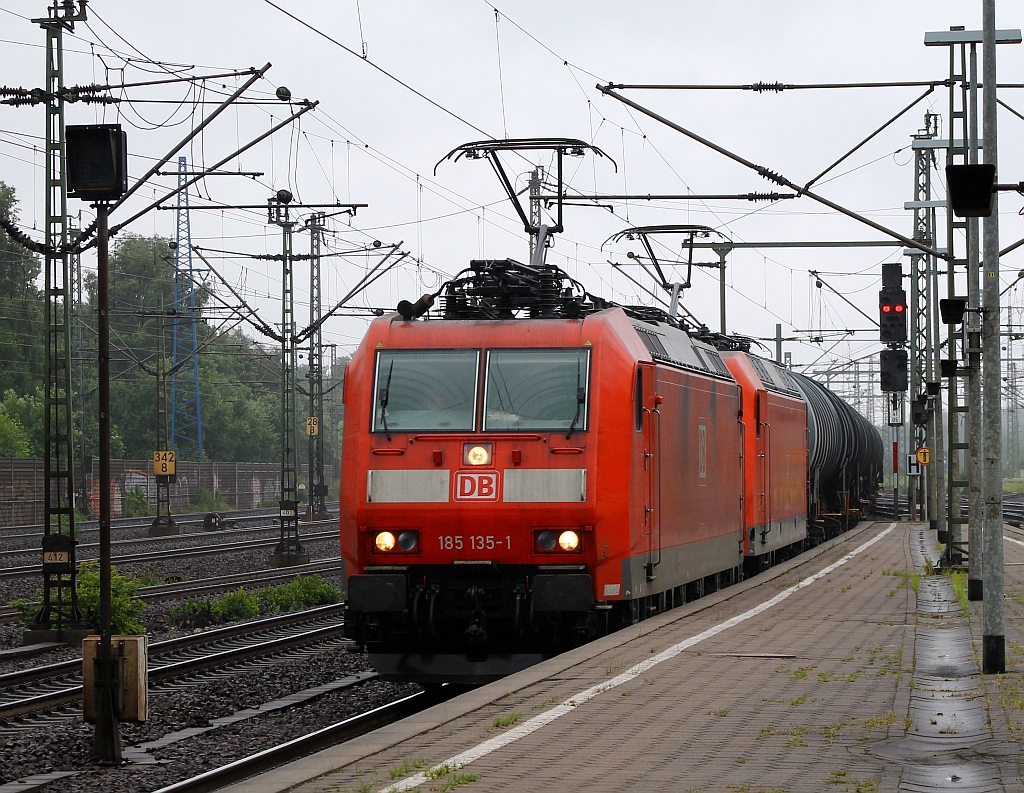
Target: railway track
185, 518
331, 735
176, 553
215, 584
1013, 508
14, 553
43, 688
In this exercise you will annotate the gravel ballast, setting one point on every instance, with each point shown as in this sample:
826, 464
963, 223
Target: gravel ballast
68, 746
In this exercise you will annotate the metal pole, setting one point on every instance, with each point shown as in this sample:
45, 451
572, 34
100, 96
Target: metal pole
937, 483
994, 639
778, 343
107, 740
976, 510
896, 473
722, 252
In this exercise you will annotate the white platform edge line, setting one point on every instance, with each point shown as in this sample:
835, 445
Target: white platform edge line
548, 716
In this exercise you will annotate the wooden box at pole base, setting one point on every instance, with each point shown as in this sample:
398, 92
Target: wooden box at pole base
133, 700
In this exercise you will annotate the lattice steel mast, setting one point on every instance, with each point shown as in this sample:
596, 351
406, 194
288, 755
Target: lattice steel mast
186, 434
289, 550
923, 378
956, 468
318, 486
59, 564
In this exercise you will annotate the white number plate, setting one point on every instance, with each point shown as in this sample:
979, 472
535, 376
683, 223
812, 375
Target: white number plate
474, 542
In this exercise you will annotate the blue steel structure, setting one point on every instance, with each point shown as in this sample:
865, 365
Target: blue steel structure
186, 410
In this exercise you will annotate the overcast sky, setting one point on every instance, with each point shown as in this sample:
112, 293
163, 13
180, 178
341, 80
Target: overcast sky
529, 70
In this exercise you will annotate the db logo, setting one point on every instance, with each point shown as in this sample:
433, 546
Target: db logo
476, 485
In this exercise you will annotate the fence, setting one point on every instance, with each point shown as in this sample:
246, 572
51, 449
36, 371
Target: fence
241, 485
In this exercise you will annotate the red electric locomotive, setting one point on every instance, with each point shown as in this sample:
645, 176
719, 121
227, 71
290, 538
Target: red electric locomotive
533, 467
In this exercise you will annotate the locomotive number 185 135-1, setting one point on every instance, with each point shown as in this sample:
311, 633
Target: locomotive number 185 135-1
474, 542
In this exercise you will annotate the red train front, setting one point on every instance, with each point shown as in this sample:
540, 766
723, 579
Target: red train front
531, 469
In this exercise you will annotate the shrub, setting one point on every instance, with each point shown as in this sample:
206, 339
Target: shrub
191, 614
303, 592
136, 505
125, 608
27, 608
205, 501
237, 605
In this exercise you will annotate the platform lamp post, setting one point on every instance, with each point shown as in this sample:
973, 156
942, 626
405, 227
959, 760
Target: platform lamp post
97, 157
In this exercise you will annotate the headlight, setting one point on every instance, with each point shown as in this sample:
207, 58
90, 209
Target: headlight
384, 541
568, 541
557, 541
546, 541
408, 541
396, 541
477, 454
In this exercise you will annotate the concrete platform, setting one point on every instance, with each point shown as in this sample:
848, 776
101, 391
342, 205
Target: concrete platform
843, 670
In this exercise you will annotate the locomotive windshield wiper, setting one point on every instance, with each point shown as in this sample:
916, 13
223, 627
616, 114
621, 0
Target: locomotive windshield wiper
384, 394
581, 397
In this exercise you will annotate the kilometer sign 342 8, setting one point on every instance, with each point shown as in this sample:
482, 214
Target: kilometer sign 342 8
476, 486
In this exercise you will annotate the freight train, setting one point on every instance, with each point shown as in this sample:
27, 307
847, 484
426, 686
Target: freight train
528, 466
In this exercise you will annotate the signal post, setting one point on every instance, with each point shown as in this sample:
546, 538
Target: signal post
892, 328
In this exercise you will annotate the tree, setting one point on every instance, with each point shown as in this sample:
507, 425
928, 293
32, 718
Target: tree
238, 378
25, 411
13, 438
22, 336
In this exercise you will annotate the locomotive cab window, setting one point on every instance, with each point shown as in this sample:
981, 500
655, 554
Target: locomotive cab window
425, 391
537, 390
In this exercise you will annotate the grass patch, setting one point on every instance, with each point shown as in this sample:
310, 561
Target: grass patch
447, 779
911, 579
959, 581
796, 736
830, 731
406, 767
502, 722
880, 722
457, 780
439, 771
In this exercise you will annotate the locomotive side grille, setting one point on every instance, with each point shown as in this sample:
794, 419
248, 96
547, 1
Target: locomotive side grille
651, 342
431, 485
548, 485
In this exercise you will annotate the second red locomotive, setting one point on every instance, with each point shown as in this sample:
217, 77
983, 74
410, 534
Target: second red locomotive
534, 467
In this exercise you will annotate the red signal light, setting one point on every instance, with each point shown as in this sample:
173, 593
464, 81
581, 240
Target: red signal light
886, 309
899, 308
